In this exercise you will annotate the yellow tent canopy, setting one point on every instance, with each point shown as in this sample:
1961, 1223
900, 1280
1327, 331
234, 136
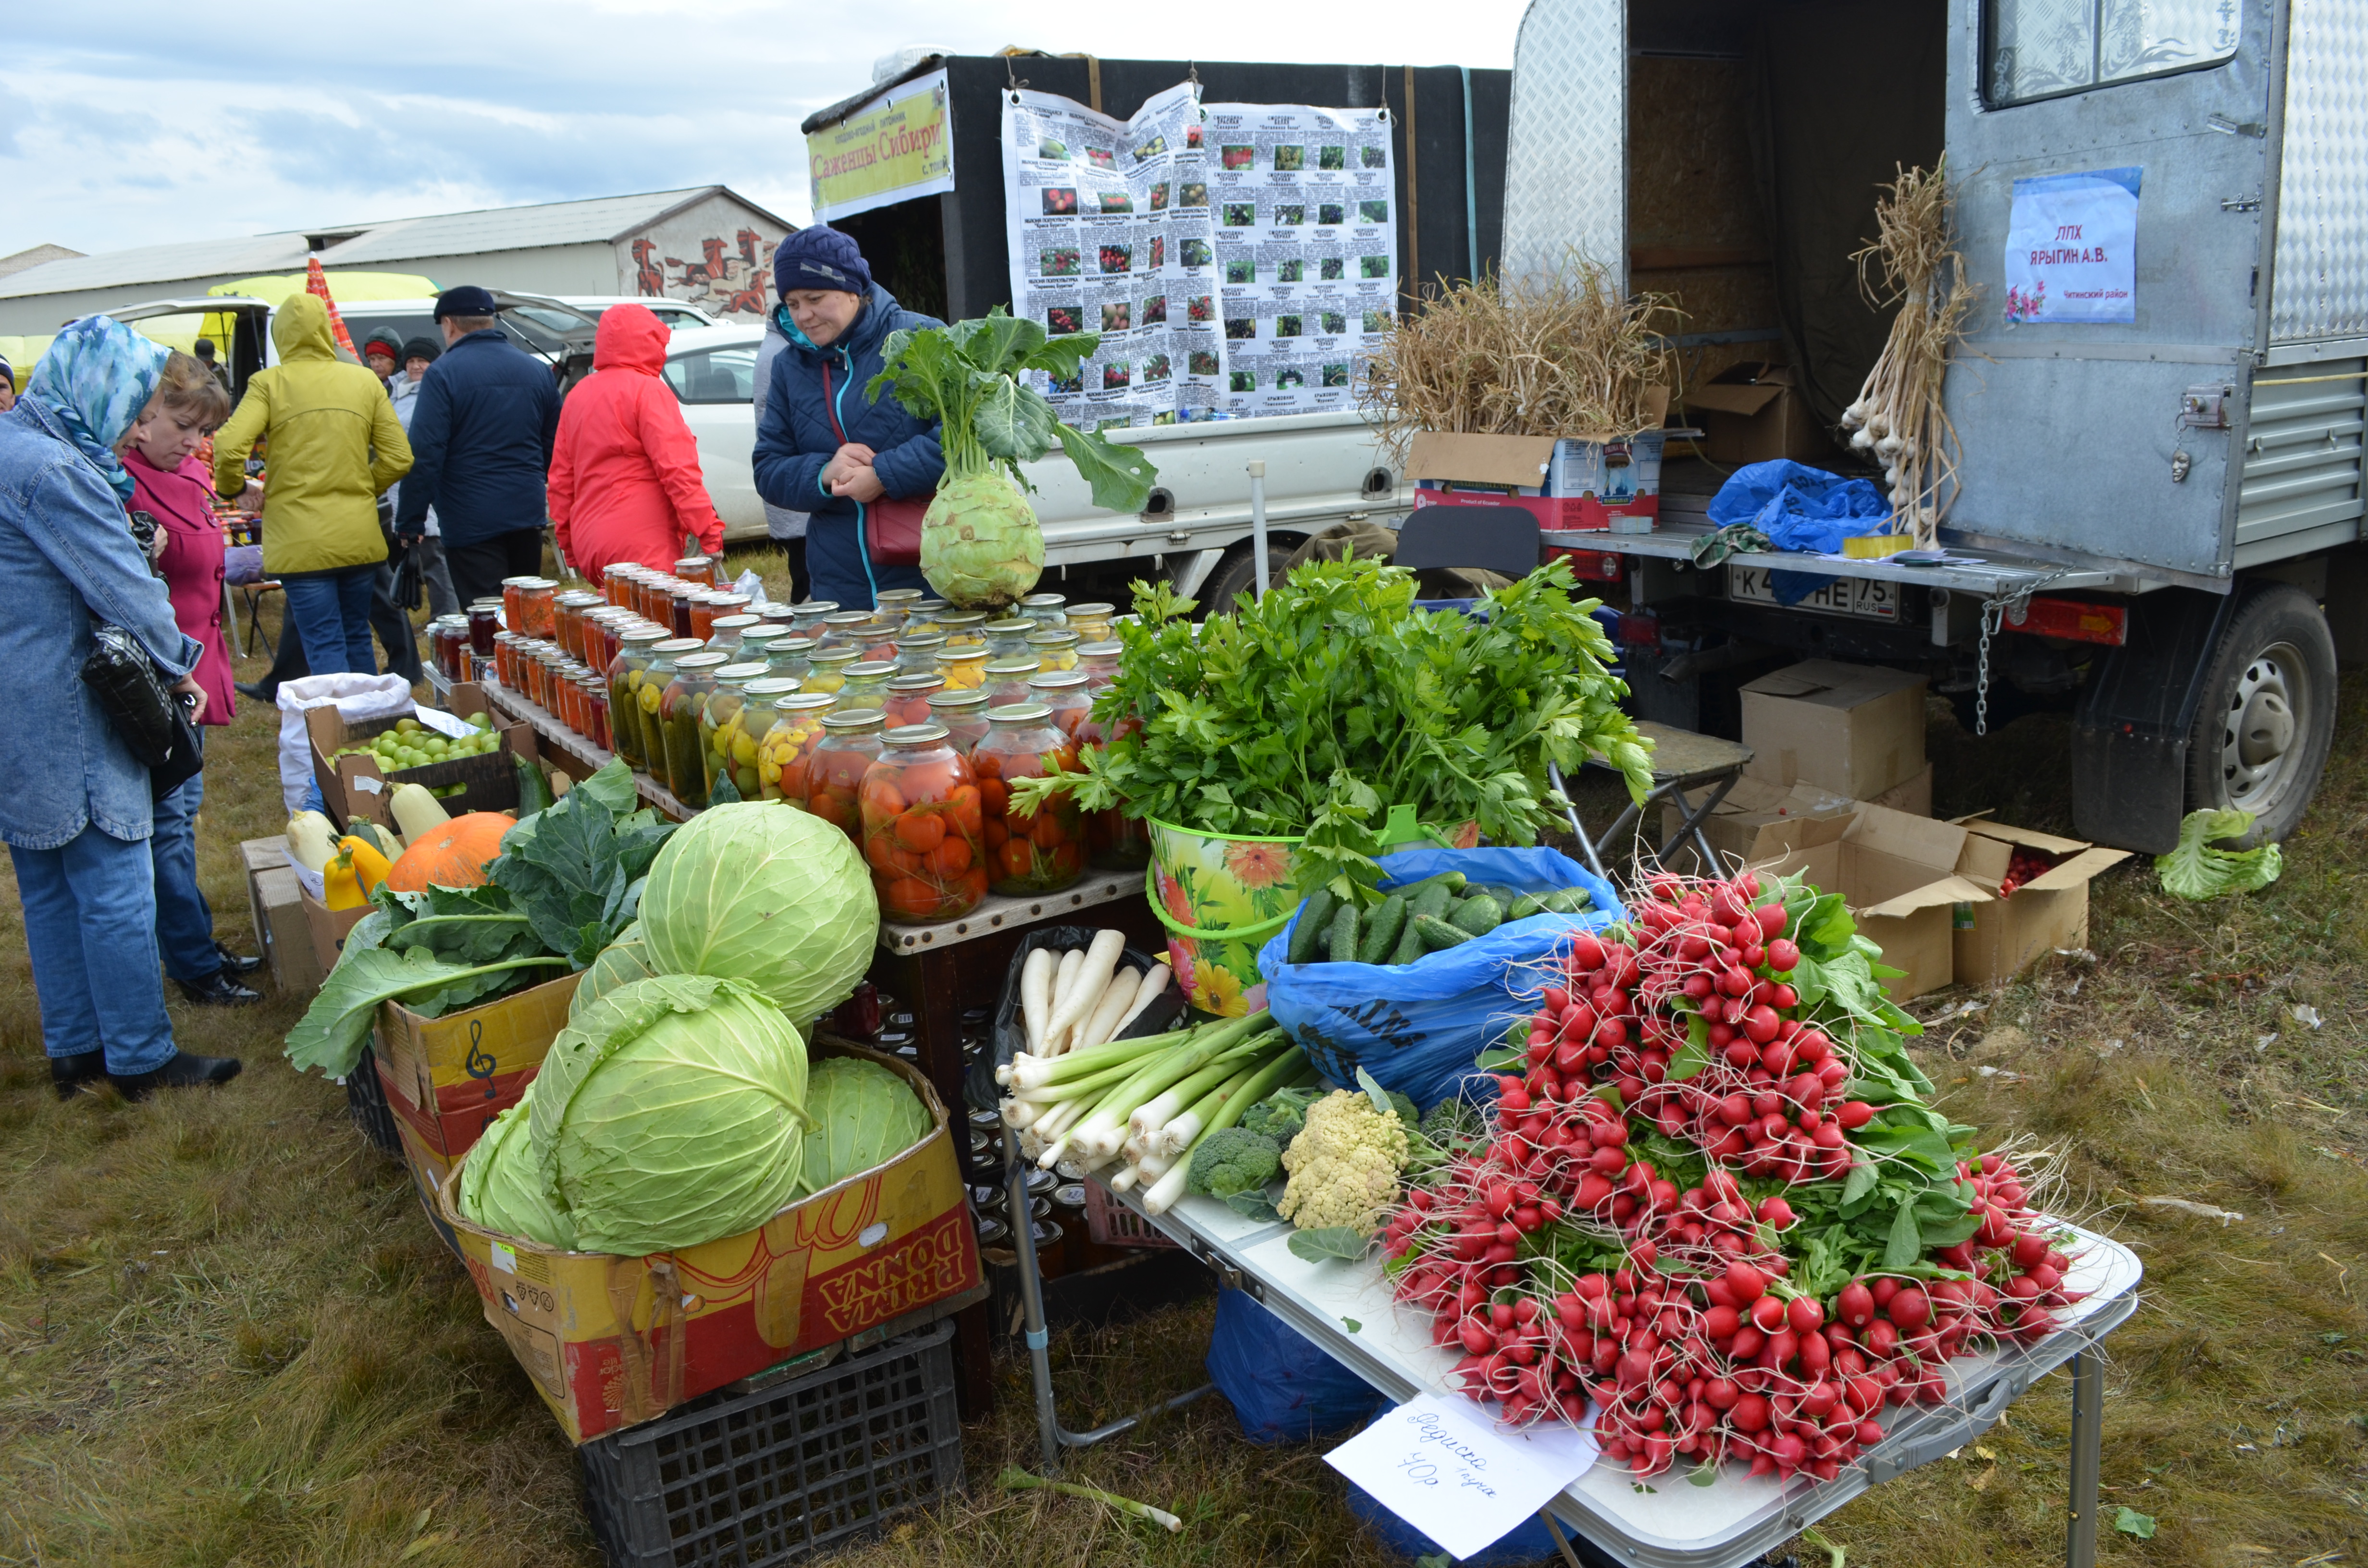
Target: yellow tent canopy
346, 286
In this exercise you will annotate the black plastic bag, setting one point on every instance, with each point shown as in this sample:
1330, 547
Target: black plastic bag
1011, 1035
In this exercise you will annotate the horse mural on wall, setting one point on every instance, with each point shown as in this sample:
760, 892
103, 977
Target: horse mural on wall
722, 278
649, 279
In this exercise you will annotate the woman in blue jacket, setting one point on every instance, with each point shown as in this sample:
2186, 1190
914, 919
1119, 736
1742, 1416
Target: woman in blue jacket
823, 446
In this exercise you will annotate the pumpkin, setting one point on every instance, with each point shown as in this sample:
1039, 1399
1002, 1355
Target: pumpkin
453, 855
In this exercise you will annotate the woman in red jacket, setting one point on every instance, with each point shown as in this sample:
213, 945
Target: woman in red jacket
625, 483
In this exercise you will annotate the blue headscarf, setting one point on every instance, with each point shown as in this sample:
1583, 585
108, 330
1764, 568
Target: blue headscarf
96, 377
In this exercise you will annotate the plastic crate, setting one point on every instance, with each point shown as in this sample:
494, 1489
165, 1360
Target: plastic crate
751, 1480
365, 1103
1110, 1223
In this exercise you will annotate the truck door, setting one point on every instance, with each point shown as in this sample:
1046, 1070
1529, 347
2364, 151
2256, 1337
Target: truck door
2068, 403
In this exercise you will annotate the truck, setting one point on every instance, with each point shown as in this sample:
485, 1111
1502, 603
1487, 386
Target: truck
2158, 528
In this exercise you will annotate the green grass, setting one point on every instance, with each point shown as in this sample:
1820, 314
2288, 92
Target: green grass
227, 1335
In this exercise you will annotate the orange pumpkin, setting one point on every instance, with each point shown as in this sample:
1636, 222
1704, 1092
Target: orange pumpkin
453, 855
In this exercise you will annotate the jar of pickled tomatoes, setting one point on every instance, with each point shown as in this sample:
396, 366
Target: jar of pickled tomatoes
788, 744
1063, 692
851, 743
921, 822
1027, 852
908, 699
964, 713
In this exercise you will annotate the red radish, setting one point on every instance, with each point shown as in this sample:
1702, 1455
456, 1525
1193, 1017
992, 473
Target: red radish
1784, 955
1909, 1309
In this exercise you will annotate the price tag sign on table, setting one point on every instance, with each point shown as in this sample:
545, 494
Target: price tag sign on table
1442, 1466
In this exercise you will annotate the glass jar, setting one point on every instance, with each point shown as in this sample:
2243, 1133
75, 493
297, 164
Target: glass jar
964, 628
677, 743
733, 721
826, 668
567, 685
1029, 852
851, 743
636, 656
699, 569
908, 699
789, 743
1100, 661
846, 629
808, 616
923, 615
547, 660
917, 652
788, 653
1007, 680
1091, 622
568, 611
534, 670
754, 641
920, 823
536, 608
615, 583
964, 713
653, 597
775, 613
964, 669
899, 602
596, 711
1054, 650
1063, 692
725, 631
606, 627
513, 605
1008, 639
1047, 610
867, 684
506, 658
440, 644
1114, 841
485, 622
682, 604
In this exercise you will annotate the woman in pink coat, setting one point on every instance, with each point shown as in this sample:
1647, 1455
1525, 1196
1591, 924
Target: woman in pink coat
175, 494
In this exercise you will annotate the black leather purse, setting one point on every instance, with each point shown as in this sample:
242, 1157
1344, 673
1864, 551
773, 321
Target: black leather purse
153, 721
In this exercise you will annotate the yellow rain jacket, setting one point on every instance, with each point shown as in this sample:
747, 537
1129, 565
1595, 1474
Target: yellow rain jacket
335, 444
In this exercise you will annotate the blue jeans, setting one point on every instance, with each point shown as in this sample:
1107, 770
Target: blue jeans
331, 610
90, 926
185, 922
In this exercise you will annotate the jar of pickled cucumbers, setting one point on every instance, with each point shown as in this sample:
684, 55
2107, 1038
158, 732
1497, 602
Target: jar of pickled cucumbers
964, 628
1027, 852
1091, 622
679, 714
961, 712
827, 669
725, 632
637, 682
1047, 610
917, 652
1008, 639
1064, 693
724, 737
850, 742
867, 684
908, 699
964, 669
1007, 680
921, 822
789, 743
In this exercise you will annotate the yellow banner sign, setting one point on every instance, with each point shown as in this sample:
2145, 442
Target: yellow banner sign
892, 149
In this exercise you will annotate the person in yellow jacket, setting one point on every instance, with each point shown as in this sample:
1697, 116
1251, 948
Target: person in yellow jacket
335, 446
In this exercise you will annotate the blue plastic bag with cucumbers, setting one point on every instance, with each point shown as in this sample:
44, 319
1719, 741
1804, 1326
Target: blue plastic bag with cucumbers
1417, 1027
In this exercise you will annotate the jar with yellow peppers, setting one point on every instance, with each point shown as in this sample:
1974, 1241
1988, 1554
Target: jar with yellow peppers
679, 715
1054, 650
1091, 622
1008, 639
964, 628
1007, 680
964, 669
917, 652
721, 733
964, 713
740, 735
908, 699
923, 617
835, 772
789, 743
828, 668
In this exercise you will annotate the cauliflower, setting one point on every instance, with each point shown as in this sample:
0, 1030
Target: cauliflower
1232, 1160
1344, 1165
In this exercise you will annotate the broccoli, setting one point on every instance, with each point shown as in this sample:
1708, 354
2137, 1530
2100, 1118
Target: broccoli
1405, 1107
1282, 1114
1232, 1160
1453, 1122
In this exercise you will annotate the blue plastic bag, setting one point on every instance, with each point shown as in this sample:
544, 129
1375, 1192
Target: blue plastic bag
1283, 1387
1417, 1027
1529, 1541
1799, 507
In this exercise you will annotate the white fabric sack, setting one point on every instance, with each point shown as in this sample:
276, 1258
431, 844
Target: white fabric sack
358, 697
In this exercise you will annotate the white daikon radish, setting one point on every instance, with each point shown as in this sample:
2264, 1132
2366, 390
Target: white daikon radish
1064, 982
1036, 997
1153, 986
1092, 979
1116, 1000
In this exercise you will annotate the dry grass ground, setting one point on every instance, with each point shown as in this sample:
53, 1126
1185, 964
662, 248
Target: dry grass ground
227, 1335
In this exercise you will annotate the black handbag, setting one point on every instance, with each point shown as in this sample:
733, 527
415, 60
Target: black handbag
153, 721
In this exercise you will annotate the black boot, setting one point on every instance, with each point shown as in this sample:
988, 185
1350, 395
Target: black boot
237, 963
183, 1072
218, 990
258, 690
71, 1072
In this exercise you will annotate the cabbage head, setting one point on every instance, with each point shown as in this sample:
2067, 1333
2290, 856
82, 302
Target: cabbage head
980, 544
621, 962
502, 1188
671, 1112
773, 896
863, 1115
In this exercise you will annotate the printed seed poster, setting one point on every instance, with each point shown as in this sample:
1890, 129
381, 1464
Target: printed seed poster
896, 147
1110, 232
1307, 250
2071, 248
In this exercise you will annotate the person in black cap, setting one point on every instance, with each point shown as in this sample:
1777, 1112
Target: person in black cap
206, 357
481, 439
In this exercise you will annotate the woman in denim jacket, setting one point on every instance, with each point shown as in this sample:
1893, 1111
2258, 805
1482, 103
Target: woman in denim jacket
77, 811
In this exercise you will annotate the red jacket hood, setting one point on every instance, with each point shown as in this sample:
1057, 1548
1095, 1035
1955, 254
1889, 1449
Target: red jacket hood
630, 338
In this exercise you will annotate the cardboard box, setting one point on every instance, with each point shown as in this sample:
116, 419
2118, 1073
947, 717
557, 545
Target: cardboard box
327, 928
1857, 729
449, 1077
1580, 481
353, 788
276, 903
1999, 938
612, 1341
1753, 413
429, 1170
1754, 804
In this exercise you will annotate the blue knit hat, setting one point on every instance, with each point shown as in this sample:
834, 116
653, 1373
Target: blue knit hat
817, 258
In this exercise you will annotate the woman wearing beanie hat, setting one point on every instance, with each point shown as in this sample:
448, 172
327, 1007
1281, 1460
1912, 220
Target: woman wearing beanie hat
823, 446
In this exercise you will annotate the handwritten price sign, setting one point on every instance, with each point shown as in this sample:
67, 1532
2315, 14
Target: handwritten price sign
1440, 1465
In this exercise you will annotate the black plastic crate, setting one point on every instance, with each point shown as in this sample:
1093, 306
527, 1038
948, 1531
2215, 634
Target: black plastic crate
752, 1480
365, 1103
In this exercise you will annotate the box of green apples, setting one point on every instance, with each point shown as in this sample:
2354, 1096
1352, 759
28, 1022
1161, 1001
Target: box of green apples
361, 762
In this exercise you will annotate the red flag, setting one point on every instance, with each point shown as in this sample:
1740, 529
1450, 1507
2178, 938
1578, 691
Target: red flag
316, 283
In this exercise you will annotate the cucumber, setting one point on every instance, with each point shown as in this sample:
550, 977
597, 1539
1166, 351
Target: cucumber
1498, 890
1409, 946
1570, 901
1382, 931
1343, 948
1477, 916
1433, 899
1451, 880
1307, 937
1438, 934
1528, 903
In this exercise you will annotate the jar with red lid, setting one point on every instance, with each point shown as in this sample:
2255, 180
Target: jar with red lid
961, 712
699, 569
679, 712
789, 745
908, 699
1027, 852
921, 823
851, 744
1007, 681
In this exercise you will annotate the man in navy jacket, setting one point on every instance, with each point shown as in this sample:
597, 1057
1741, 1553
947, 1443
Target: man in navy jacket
481, 439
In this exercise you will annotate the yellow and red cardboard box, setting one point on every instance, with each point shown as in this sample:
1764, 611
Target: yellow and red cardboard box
612, 1341
449, 1077
1587, 482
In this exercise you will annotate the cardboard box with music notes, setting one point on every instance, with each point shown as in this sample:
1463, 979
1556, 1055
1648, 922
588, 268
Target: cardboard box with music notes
450, 1076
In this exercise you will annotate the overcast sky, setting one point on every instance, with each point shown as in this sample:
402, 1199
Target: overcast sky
127, 123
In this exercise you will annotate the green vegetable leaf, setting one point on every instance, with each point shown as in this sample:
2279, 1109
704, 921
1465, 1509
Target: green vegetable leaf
577, 875
1691, 1059
1061, 357
1703, 1475
1014, 423
997, 343
1376, 1092
1352, 1325
1120, 476
2129, 1521
2193, 870
1859, 1182
331, 1034
1253, 1205
1906, 1244
1342, 1242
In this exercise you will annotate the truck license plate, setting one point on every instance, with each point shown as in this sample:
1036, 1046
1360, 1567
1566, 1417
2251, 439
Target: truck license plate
1866, 597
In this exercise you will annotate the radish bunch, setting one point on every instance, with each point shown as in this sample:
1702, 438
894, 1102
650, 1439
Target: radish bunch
1656, 1224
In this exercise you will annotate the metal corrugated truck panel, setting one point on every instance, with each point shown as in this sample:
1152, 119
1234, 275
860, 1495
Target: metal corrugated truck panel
2321, 281
2301, 460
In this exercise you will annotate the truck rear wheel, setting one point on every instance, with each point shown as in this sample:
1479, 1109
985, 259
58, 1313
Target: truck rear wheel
2267, 717
1233, 578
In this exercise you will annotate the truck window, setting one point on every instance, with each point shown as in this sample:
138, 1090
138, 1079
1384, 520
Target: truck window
722, 375
2045, 49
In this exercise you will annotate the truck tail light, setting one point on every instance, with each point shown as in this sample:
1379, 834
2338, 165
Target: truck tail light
2072, 621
